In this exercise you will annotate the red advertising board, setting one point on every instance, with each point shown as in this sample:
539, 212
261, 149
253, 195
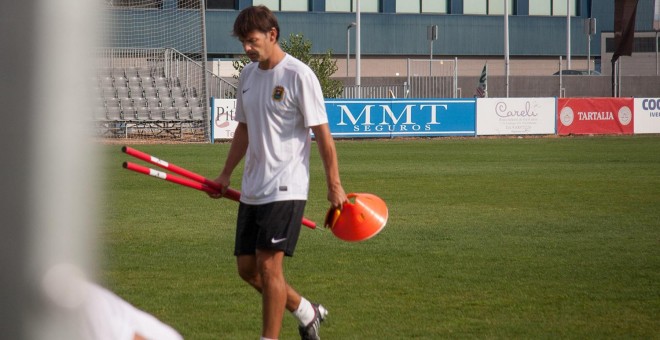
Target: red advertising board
581, 116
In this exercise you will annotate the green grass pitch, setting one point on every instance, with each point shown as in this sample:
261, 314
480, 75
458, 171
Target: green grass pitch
496, 238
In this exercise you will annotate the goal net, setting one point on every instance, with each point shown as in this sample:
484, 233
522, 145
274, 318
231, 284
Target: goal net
151, 70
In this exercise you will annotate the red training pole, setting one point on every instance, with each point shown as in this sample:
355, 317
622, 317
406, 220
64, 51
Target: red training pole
198, 182
168, 177
230, 193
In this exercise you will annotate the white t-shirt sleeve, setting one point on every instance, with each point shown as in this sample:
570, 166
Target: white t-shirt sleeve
239, 115
310, 99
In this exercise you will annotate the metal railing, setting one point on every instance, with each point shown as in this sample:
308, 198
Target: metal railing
378, 91
219, 87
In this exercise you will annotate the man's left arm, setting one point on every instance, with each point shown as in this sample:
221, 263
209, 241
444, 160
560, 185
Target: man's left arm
326, 145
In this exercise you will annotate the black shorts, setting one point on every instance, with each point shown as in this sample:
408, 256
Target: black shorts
273, 226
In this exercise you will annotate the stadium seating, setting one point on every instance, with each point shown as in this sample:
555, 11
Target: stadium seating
136, 91
125, 102
153, 102
131, 72
150, 91
166, 102
185, 113
139, 102
170, 113
112, 102
114, 113
180, 102
147, 81
143, 113
161, 81
176, 91
163, 91
197, 113
134, 81
144, 98
122, 92
108, 92
193, 102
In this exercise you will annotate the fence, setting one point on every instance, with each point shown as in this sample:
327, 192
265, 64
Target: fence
431, 78
377, 91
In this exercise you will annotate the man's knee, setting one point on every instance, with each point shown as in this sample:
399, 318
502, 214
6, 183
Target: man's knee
269, 263
247, 271
248, 276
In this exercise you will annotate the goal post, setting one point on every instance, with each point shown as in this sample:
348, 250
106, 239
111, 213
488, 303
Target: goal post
152, 70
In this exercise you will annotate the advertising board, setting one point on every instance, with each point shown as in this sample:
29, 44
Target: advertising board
401, 117
516, 116
222, 111
647, 115
595, 116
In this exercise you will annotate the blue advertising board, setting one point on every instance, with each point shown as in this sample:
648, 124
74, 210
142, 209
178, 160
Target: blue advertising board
401, 117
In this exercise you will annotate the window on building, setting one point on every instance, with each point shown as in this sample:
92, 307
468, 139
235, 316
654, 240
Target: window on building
475, 7
273, 5
434, 6
221, 4
496, 7
640, 45
559, 7
552, 7
338, 6
294, 5
487, 7
540, 7
366, 6
421, 6
407, 6
284, 5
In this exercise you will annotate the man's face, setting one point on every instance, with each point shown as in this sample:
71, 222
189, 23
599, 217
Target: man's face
259, 45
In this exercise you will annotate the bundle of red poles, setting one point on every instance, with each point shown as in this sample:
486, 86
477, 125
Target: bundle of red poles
190, 179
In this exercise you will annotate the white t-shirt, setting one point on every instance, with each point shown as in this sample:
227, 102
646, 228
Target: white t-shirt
108, 317
84, 310
279, 106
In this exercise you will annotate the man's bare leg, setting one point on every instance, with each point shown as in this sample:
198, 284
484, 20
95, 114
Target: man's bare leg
309, 316
247, 270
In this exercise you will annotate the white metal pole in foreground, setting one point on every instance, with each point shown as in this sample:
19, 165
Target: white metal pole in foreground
58, 158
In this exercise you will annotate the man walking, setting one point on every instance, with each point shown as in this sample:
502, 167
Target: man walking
279, 100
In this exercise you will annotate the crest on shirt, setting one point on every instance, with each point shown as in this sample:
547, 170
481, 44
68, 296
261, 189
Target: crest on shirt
278, 93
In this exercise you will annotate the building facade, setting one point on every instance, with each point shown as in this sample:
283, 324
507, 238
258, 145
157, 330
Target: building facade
471, 31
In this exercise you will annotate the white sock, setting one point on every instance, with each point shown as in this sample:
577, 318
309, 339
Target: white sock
263, 338
305, 312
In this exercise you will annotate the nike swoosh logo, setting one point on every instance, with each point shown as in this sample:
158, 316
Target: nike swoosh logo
246, 90
277, 240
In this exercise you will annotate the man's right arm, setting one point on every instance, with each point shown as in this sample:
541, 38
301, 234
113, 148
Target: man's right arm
236, 153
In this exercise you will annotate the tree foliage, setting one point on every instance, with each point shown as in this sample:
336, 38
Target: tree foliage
324, 66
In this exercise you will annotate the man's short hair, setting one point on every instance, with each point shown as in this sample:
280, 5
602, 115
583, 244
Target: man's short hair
258, 18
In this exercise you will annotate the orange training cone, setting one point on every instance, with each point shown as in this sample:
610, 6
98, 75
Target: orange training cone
359, 219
